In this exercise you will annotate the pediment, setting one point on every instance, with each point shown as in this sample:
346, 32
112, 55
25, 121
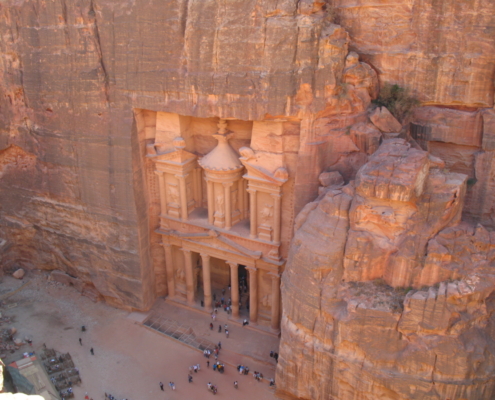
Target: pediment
278, 178
176, 157
217, 241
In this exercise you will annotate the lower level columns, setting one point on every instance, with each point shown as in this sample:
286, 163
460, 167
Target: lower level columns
170, 270
205, 258
253, 295
275, 318
188, 264
234, 288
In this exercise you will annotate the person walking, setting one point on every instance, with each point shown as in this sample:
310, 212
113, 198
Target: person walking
161, 386
236, 384
80, 341
227, 333
92, 351
219, 345
211, 326
189, 378
219, 328
208, 364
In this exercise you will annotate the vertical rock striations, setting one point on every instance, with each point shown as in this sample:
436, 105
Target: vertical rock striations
385, 294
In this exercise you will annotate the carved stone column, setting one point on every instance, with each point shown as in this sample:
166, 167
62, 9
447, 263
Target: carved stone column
163, 193
183, 197
253, 209
275, 322
188, 265
228, 205
276, 216
234, 288
170, 269
253, 295
207, 281
211, 201
240, 194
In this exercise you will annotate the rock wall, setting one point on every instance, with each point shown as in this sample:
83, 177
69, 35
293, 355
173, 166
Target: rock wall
385, 294
74, 75
444, 50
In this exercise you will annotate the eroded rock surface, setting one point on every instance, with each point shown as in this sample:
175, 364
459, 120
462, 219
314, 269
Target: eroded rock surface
394, 296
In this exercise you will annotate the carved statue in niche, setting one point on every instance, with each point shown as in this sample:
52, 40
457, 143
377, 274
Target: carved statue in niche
219, 204
266, 300
267, 214
180, 274
173, 194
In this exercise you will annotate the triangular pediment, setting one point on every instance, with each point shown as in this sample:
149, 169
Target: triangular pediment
261, 174
176, 157
217, 241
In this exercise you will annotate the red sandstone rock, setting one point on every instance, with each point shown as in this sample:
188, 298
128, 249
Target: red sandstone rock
434, 48
385, 121
347, 335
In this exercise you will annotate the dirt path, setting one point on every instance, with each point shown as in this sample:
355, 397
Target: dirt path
130, 360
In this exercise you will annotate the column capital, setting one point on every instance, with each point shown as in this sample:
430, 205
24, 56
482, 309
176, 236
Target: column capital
251, 190
227, 184
276, 195
275, 275
232, 264
158, 172
251, 269
184, 176
204, 256
186, 251
165, 244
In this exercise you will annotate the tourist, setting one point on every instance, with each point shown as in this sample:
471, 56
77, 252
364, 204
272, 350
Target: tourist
189, 378
236, 384
198, 367
219, 346
92, 352
219, 328
226, 326
227, 333
211, 326
195, 368
272, 382
272, 353
161, 387
207, 364
245, 322
80, 341
202, 303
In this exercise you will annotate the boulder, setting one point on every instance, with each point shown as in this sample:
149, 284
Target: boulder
19, 274
330, 178
385, 121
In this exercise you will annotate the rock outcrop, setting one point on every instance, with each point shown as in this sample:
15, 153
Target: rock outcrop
395, 297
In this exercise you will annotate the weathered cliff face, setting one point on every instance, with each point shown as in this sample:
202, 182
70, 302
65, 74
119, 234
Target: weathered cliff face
346, 332
74, 186
443, 50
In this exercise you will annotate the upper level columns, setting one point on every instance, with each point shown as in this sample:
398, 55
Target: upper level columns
253, 207
188, 266
211, 201
234, 288
228, 205
205, 258
183, 196
163, 192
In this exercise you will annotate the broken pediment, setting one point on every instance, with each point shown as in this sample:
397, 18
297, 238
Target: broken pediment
215, 240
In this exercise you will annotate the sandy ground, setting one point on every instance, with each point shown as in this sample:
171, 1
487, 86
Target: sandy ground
130, 360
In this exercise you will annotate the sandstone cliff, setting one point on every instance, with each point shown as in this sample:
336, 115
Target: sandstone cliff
394, 297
